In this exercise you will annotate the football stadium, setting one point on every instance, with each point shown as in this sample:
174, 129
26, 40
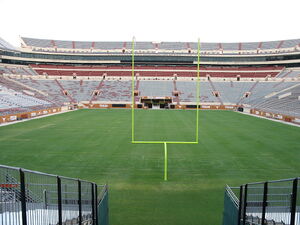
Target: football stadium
149, 132
102, 125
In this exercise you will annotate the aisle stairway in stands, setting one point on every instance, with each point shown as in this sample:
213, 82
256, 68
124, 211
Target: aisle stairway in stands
216, 91
177, 99
64, 91
97, 90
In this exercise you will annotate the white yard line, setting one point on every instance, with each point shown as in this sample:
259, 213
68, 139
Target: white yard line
38, 117
262, 117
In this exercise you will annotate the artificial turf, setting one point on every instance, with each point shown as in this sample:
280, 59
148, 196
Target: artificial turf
96, 145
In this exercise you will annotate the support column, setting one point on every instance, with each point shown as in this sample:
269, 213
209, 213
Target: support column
166, 162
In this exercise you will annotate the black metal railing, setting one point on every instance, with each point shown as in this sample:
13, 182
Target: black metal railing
30, 197
263, 203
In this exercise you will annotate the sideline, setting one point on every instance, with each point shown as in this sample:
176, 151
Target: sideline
38, 117
278, 121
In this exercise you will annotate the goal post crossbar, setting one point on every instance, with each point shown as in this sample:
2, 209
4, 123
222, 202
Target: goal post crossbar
162, 142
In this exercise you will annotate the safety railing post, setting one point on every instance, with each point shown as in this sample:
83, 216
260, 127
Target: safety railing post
79, 202
96, 203
59, 200
93, 204
264, 205
240, 205
294, 201
245, 203
23, 197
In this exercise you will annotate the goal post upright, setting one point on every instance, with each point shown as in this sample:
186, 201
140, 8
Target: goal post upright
198, 91
132, 91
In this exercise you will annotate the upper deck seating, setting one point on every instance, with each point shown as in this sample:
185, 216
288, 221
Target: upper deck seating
270, 45
157, 71
230, 46
289, 73
108, 45
5, 45
142, 46
208, 48
173, 45
249, 45
20, 70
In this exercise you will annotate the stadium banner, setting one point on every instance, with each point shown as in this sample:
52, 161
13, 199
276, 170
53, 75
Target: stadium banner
276, 116
27, 115
106, 106
178, 106
13, 118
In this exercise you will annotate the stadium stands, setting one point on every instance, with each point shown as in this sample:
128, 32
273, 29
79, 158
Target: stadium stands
163, 47
213, 91
12, 101
157, 71
262, 89
229, 92
5, 45
288, 73
21, 70
187, 90
48, 73
116, 91
173, 46
108, 80
54, 92
156, 88
285, 102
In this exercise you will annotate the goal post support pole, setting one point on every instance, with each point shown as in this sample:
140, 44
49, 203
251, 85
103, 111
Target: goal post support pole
166, 162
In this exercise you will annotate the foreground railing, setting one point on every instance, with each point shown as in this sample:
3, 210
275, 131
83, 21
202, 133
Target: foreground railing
231, 207
34, 198
103, 212
271, 202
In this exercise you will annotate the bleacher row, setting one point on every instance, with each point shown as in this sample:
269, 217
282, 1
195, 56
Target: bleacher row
167, 71
154, 46
21, 70
151, 71
15, 97
256, 94
12, 101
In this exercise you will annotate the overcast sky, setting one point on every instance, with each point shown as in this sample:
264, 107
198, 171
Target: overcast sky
152, 20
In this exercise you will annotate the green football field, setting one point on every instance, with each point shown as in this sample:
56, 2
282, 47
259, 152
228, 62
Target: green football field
96, 145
